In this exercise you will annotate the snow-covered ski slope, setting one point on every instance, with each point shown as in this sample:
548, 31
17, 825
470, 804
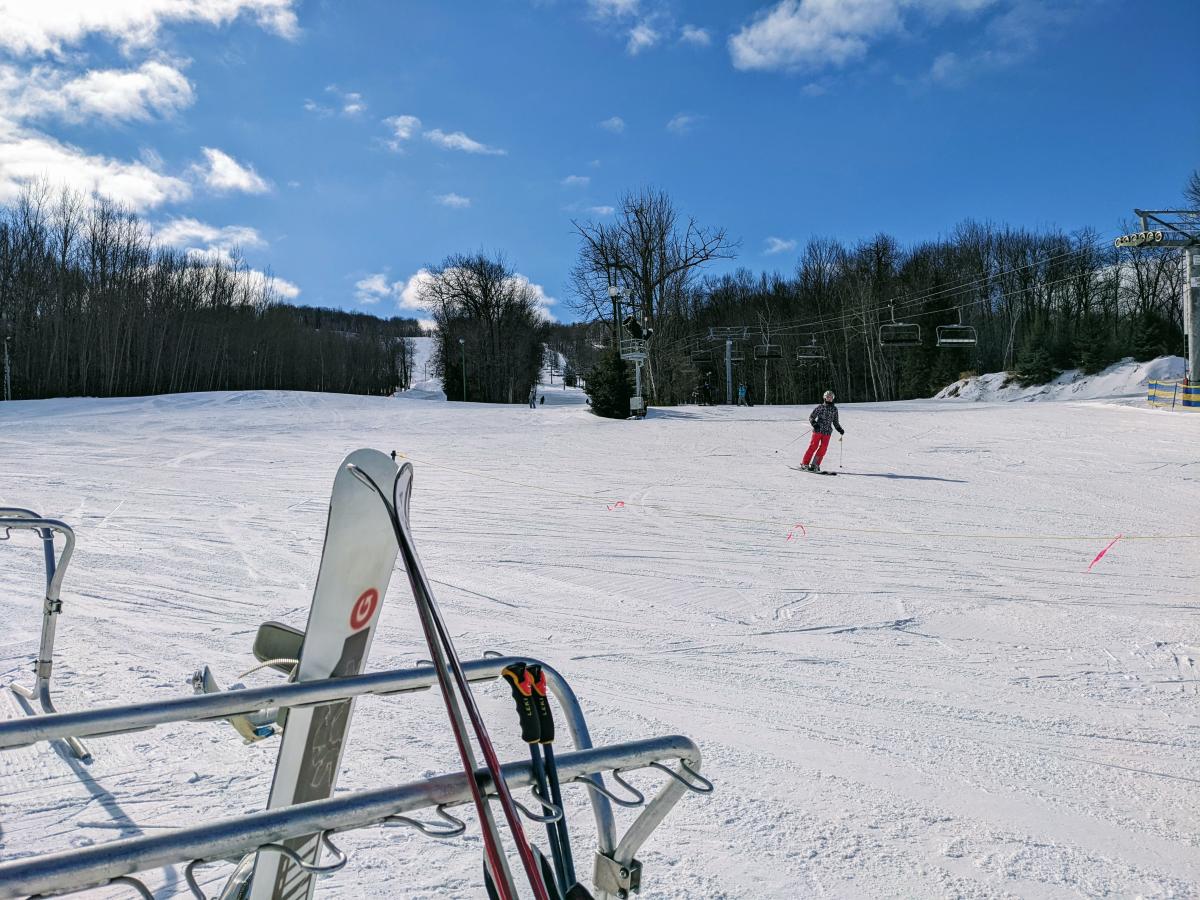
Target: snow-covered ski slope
921, 693
1123, 381
426, 385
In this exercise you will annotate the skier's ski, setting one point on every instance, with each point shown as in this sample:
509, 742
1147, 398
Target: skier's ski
356, 566
810, 471
456, 694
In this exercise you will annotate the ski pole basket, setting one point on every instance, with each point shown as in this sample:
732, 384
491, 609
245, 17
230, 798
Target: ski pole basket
15, 518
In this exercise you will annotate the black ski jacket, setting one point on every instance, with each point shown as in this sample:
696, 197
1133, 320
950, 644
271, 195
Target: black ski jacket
825, 418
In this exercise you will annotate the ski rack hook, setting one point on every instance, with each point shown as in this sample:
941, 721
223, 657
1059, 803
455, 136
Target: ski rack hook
340, 861
556, 812
598, 785
704, 787
457, 825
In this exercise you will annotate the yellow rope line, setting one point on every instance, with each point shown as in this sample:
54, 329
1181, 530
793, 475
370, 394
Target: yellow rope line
779, 523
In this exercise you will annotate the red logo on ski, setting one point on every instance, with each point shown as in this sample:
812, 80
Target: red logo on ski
364, 608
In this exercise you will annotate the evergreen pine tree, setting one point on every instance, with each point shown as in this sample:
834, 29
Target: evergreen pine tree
609, 387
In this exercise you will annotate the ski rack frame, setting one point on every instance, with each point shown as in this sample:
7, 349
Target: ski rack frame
26, 519
616, 870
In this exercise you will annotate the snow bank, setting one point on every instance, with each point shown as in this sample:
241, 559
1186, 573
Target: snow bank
1124, 381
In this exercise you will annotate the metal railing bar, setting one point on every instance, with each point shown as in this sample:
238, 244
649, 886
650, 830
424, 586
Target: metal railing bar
231, 838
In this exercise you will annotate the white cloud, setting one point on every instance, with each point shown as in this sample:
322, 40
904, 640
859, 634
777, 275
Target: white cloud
403, 130
114, 95
27, 156
682, 123
225, 174
613, 8
601, 210
372, 289
696, 36
576, 181
811, 34
187, 231
252, 281
1010, 38
779, 245
409, 299
351, 102
544, 301
40, 28
453, 200
615, 124
641, 37
408, 293
459, 141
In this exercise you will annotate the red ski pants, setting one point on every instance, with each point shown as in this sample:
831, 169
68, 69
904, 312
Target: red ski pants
816, 447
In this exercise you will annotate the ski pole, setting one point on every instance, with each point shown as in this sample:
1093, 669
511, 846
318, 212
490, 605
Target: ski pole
457, 697
789, 443
521, 680
841, 450
546, 721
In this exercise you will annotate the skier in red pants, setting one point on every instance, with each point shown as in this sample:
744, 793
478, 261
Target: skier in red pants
823, 420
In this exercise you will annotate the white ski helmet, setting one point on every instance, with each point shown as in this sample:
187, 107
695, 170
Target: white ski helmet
827, 396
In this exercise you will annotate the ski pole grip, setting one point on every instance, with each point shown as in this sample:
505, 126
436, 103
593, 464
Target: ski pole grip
541, 703
521, 682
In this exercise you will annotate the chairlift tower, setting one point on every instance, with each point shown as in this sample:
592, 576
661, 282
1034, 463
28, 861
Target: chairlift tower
632, 348
1176, 228
729, 335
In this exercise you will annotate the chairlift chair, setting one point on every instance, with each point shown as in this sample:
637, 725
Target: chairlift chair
768, 351
701, 356
737, 356
959, 335
899, 334
810, 352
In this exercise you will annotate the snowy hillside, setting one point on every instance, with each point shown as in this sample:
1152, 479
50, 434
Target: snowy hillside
1125, 381
426, 385
905, 680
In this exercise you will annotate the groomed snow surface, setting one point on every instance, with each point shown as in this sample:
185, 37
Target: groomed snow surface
922, 693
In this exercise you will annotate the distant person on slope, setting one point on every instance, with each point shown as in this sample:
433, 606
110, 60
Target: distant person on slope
823, 420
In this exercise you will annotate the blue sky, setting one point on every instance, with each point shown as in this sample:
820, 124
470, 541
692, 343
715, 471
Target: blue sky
343, 146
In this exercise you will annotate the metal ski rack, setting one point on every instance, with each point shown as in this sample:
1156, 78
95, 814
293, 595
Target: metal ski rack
14, 517
899, 334
617, 871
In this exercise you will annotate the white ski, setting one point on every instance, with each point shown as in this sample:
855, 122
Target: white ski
356, 566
